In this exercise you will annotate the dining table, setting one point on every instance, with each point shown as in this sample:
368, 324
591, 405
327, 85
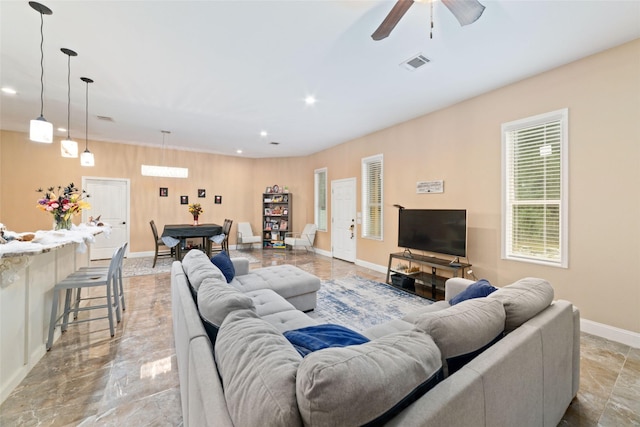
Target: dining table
174, 234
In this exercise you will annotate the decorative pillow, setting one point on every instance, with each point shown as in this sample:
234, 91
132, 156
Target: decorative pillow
523, 299
479, 289
368, 383
216, 300
223, 262
197, 267
258, 369
313, 338
463, 330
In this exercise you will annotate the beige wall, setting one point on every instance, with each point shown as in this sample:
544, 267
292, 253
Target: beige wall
459, 144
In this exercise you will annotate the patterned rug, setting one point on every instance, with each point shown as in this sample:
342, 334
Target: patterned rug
360, 303
142, 266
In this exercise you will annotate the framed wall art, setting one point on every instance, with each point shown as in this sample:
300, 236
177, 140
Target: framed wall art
202, 192
164, 192
184, 200
217, 200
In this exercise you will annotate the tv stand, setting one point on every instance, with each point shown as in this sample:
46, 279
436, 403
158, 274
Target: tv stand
427, 284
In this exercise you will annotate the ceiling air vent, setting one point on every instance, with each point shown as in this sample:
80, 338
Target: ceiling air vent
274, 143
105, 118
415, 62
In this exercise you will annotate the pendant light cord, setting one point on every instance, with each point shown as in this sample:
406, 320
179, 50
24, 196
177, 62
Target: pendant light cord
86, 121
42, 66
69, 97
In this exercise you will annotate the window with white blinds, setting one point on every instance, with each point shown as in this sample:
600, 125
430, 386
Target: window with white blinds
320, 198
534, 169
372, 197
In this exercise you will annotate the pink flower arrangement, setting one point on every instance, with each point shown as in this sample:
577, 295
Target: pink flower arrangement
63, 203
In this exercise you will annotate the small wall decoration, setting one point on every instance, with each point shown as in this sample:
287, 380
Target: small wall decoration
184, 200
428, 187
202, 192
164, 192
217, 200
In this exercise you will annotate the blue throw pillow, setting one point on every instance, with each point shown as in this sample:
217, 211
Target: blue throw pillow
479, 289
313, 338
223, 262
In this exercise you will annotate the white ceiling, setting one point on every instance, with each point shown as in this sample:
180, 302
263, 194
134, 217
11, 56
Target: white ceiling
216, 73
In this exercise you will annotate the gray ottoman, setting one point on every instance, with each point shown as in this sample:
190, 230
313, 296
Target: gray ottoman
295, 285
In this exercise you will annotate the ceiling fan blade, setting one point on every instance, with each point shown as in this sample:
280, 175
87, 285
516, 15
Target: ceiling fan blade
390, 22
466, 11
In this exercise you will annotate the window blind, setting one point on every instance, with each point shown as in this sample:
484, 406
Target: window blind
534, 190
321, 199
372, 197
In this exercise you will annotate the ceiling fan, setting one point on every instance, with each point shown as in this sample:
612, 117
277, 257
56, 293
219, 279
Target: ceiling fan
465, 11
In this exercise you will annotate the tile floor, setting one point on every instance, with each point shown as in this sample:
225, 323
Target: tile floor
89, 379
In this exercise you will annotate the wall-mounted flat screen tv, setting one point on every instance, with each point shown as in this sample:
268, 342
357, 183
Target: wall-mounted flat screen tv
443, 231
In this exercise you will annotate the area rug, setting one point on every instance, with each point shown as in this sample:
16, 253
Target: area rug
142, 266
360, 303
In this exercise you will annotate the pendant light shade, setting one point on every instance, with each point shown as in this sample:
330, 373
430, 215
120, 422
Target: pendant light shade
86, 158
68, 147
40, 130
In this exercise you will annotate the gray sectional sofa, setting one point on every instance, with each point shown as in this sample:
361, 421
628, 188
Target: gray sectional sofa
511, 358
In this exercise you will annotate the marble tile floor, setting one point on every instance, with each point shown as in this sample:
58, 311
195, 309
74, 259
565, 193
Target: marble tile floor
90, 379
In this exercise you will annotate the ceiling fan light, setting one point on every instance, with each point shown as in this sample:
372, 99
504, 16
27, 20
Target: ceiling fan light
40, 130
69, 148
86, 159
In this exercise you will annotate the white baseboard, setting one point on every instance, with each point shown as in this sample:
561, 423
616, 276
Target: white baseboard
140, 254
612, 333
371, 266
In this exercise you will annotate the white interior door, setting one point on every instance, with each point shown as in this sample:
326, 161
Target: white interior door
109, 199
343, 219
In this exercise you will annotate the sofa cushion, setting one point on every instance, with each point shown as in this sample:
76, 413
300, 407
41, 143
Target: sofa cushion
356, 385
216, 300
268, 302
463, 330
289, 320
314, 338
478, 289
258, 369
523, 299
197, 267
223, 262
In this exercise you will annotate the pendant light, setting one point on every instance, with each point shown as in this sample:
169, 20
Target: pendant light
68, 147
86, 158
40, 130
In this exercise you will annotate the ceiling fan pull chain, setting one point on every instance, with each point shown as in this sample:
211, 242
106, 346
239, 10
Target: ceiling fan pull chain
431, 11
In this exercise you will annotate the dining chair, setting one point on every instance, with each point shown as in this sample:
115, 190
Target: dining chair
224, 244
245, 235
158, 243
85, 279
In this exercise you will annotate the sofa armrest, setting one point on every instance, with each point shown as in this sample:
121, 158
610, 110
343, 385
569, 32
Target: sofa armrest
454, 286
241, 265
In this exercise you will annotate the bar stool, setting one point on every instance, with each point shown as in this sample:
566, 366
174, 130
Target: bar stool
121, 251
86, 279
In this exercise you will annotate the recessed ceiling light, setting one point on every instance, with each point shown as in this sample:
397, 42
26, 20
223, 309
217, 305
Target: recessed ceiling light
263, 133
9, 91
310, 100
239, 151
62, 129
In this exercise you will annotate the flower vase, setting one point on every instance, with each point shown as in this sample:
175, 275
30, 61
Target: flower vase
62, 223
195, 220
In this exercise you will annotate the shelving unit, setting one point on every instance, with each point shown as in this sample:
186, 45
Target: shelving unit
276, 219
425, 281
